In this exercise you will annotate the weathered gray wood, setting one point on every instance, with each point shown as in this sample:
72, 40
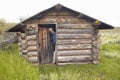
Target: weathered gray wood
19, 38
96, 44
33, 59
95, 50
24, 52
74, 41
74, 58
74, 52
24, 41
74, 47
74, 26
67, 63
32, 43
23, 47
23, 35
32, 37
61, 13
30, 27
33, 32
32, 48
32, 53
72, 36
79, 31
94, 56
19, 44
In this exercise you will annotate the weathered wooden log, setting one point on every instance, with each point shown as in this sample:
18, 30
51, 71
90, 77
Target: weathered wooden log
74, 26
22, 43
30, 27
32, 43
32, 37
32, 53
95, 61
67, 63
33, 32
61, 13
48, 20
74, 58
79, 31
97, 45
74, 41
24, 47
23, 36
24, 52
74, 52
94, 56
33, 59
19, 44
74, 36
32, 48
96, 37
74, 47
95, 50
19, 38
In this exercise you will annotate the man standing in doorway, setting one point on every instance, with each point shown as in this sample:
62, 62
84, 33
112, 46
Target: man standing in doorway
53, 37
53, 42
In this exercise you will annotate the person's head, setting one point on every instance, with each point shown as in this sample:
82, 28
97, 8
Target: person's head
51, 30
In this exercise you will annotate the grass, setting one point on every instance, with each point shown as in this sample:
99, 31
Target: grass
107, 69
14, 67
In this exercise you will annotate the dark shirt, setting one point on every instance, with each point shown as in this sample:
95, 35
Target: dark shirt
54, 37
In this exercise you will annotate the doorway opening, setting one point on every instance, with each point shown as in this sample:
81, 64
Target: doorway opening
47, 42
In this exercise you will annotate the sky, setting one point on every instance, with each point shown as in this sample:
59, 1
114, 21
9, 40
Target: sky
104, 10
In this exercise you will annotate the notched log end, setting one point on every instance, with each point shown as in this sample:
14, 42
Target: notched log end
95, 61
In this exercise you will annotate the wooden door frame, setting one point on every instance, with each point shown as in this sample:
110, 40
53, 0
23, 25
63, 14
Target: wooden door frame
54, 56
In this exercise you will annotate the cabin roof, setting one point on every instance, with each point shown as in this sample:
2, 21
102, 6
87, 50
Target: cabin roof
19, 26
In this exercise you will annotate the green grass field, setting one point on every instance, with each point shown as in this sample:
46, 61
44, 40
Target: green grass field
14, 67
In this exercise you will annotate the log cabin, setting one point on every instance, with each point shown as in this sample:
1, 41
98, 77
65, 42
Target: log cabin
77, 37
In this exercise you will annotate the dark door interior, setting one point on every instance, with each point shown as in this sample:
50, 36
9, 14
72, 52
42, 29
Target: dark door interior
45, 43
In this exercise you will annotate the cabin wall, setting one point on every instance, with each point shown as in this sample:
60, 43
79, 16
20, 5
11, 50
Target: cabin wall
77, 44
28, 44
77, 39
22, 44
32, 43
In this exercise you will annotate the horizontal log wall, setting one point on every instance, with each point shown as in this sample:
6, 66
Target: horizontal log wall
74, 36
74, 52
87, 31
80, 58
75, 47
74, 43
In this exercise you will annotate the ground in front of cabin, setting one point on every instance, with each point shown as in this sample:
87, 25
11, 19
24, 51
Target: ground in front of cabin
14, 67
